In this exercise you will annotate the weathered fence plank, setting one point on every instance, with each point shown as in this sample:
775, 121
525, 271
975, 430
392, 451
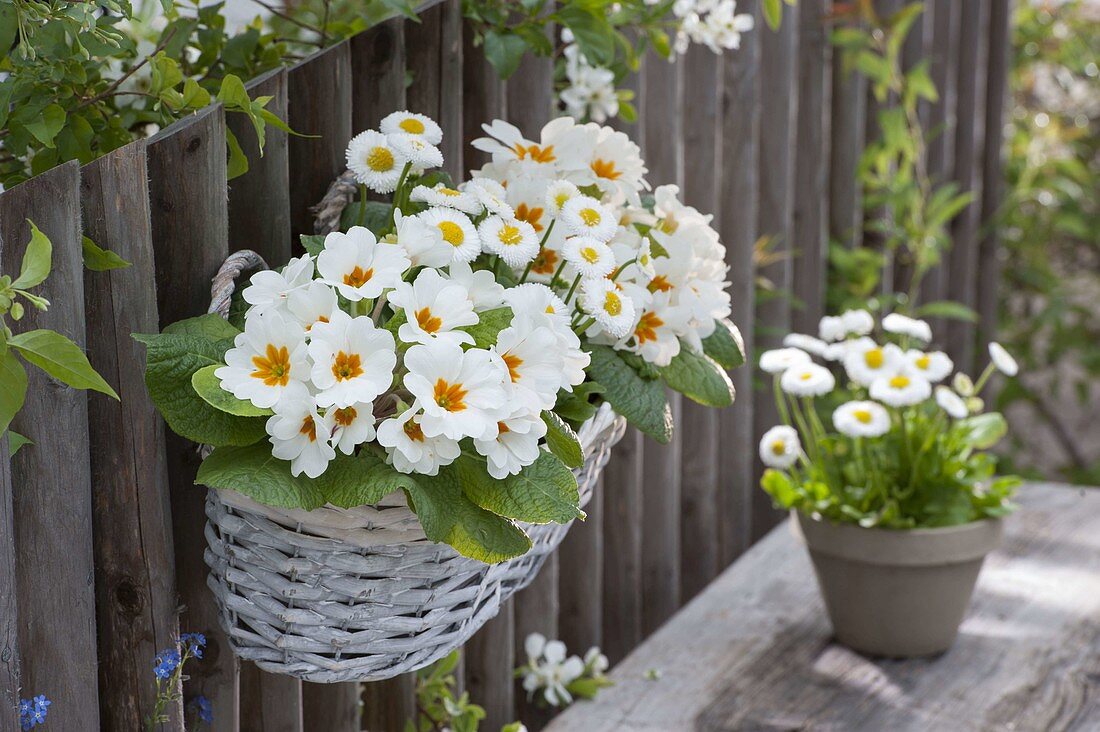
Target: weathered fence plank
50, 479
134, 562
580, 579
847, 112
331, 707
490, 659
9, 605
269, 702
188, 208
378, 73
389, 704
422, 58
736, 220
451, 94
484, 99
319, 103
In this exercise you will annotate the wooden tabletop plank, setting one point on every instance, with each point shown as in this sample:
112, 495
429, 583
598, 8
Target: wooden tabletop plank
753, 650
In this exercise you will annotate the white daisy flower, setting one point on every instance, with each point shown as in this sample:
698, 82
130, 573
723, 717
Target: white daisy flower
312, 304
423, 243
353, 360
951, 403
267, 362
297, 434
857, 322
374, 162
934, 366
866, 360
1003, 360
268, 290
534, 364
809, 344
807, 380
780, 447
410, 123
585, 216
482, 287
559, 193
442, 195
462, 393
415, 149
516, 444
350, 426
591, 258
409, 450
513, 240
358, 266
861, 419
491, 194
831, 328
657, 332
612, 309
902, 386
435, 308
457, 230
778, 360
904, 325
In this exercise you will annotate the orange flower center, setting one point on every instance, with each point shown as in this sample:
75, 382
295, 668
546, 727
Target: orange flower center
345, 416
428, 322
659, 283
450, 396
320, 319
536, 153
513, 362
346, 366
309, 428
545, 262
605, 169
531, 215
647, 328
357, 277
502, 429
413, 431
274, 367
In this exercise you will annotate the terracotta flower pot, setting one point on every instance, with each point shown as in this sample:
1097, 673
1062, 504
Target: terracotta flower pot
897, 593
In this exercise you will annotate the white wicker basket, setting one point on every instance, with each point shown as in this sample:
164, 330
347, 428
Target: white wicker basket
337, 595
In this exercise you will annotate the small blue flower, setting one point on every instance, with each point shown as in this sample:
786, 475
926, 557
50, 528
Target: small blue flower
32, 712
203, 708
194, 642
165, 663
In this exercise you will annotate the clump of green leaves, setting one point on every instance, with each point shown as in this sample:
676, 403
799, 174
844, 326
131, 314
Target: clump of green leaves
438, 704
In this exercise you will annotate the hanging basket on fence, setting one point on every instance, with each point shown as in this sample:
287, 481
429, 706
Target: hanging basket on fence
360, 594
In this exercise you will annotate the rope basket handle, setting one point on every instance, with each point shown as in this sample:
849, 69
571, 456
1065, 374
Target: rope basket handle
341, 192
225, 281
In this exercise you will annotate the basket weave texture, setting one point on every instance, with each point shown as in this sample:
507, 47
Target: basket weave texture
335, 595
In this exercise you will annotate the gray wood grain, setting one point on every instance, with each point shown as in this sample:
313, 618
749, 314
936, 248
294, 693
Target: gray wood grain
738, 199
422, 59
485, 99
490, 661
269, 702
51, 482
452, 95
9, 605
132, 523
388, 704
378, 73
753, 651
188, 209
331, 708
847, 112
319, 103
580, 579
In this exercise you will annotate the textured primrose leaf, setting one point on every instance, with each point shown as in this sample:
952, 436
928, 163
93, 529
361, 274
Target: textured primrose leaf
254, 472
725, 345
209, 387
489, 325
699, 377
361, 480
641, 401
562, 440
211, 326
544, 491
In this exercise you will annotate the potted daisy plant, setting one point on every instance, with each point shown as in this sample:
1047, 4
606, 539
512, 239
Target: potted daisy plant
887, 476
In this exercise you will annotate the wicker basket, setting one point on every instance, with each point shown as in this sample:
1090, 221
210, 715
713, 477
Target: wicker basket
335, 595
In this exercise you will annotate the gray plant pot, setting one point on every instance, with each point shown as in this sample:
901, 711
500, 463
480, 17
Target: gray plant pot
897, 593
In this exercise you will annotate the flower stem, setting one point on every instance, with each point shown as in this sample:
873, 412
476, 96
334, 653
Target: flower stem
362, 218
572, 288
542, 243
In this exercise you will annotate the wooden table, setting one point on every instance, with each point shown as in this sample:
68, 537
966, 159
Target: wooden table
753, 651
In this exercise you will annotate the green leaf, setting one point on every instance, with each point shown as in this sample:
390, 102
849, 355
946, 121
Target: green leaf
984, 430
46, 125
544, 491
60, 358
725, 345
947, 309
448, 516
211, 326
575, 406
35, 267
14, 378
171, 360
314, 244
489, 325
209, 387
699, 377
504, 51
98, 259
361, 480
641, 401
778, 486
253, 471
592, 31
773, 13
16, 441
238, 161
562, 440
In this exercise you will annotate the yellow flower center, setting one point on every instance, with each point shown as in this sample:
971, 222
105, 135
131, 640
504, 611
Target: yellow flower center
452, 233
379, 159
412, 126
668, 225
509, 235
612, 304
899, 382
346, 366
605, 169
561, 199
590, 255
345, 416
874, 358
450, 396
450, 192
273, 368
924, 361
806, 376
309, 428
779, 447
513, 362
590, 216
428, 323
863, 415
357, 277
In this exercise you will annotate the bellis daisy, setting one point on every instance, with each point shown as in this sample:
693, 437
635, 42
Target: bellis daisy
442, 195
857, 322
410, 123
901, 386
410, 450
559, 193
861, 419
513, 240
778, 360
934, 366
865, 360
358, 266
1003, 360
951, 403
807, 380
374, 161
268, 360
491, 194
461, 392
779, 447
906, 326
612, 309
353, 360
457, 231
591, 258
585, 216
415, 149
809, 344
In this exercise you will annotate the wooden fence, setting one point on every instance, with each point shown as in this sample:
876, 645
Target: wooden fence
101, 527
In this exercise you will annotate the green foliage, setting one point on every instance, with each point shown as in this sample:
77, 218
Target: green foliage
209, 387
98, 259
725, 345
438, 703
698, 377
562, 440
641, 400
489, 325
544, 491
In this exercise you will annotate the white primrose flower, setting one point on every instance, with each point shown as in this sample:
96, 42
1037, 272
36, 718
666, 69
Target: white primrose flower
1003, 360
857, 322
615, 165
410, 123
462, 393
657, 332
409, 450
612, 309
358, 266
778, 360
865, 360
442, 195
482, 287
534, 364
585, 216
906, 326
934, 365
350, 426
269, 289
951, 403
353, 360
539, 304
267, 362
312, 304
516, 444
513, 240
374, 161
415, 149
559, 193
901, 387
591, 258
492, 195
779, 447
435, 308
861, 419
423, 243
807, 380
807, 343
297, 434
457, 231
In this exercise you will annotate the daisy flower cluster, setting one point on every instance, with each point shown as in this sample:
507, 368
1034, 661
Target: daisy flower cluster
904, 443
554, 679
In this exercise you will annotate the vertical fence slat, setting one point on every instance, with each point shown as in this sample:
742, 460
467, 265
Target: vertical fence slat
423, 54
580, 579
188, 208
810, 238
484, 100
269, 702
389, 704
319, 103
331, 708
847, 112
9, 606
134, 562
378, 73
451, 92
490, 659
699, 477
51, 480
